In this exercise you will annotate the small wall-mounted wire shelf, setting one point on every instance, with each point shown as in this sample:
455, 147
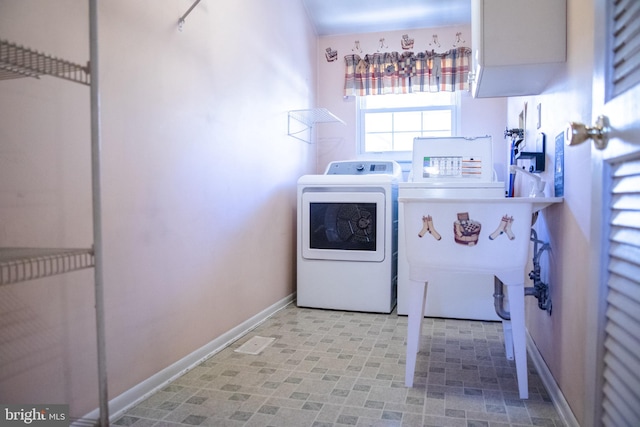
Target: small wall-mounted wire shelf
18, 61
22, 264
308, 118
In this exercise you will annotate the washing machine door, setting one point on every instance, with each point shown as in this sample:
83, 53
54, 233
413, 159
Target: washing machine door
343, 226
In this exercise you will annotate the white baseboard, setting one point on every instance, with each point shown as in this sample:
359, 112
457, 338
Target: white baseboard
120, 404
559, 402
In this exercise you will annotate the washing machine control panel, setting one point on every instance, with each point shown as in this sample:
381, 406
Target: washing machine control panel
361, 168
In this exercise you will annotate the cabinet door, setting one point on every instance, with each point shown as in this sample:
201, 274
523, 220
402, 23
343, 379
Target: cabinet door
518, 45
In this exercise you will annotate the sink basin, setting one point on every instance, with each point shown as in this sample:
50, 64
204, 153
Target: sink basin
484, 234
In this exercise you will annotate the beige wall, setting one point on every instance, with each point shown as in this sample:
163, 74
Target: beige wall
198, 184
479, 117
561, 337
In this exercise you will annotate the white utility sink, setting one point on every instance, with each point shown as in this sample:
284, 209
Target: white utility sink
484, 235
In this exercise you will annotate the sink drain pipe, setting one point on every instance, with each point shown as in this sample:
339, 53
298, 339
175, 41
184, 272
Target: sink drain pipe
540, 290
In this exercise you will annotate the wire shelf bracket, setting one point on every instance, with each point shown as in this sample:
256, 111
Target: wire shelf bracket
307, 119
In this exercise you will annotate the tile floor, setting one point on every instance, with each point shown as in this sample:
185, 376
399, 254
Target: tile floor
334, 368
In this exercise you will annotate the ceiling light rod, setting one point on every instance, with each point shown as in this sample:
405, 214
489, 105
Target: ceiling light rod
183, 17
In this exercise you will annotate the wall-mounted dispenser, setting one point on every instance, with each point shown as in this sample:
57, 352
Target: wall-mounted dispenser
536, 157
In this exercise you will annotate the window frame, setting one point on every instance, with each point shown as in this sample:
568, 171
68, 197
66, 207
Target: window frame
401, 156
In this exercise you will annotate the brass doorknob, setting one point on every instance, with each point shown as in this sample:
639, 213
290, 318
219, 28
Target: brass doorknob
577, 133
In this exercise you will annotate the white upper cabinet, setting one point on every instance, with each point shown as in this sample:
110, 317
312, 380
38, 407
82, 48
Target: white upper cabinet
518, 45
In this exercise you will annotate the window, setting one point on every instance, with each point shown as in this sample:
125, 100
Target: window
388, 124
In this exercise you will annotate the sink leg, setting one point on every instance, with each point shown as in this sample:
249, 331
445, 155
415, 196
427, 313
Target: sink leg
508, 339
516, 308
418, 297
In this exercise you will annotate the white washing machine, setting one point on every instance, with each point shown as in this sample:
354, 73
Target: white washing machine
347, 237
450, 167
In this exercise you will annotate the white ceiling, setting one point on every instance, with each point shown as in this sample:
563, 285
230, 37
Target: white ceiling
333, 17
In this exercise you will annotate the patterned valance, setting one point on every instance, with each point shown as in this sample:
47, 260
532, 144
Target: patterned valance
394, 73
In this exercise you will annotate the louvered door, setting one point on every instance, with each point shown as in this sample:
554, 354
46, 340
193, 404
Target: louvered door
621, 375
613, 395
625, 48
621, 353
